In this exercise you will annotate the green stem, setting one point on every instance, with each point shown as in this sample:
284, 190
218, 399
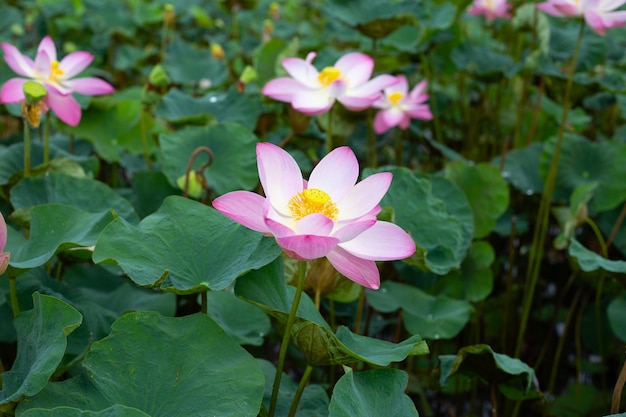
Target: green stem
372, 151
26, 149
359, 312
543, 215
287, 336
605, 253
203, 302
303, 383
559, 348
398, 145
15, 304
433, 101
329, 132
46, 140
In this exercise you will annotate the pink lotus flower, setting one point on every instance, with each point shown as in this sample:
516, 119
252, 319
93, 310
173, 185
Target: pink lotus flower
600, 15
491, 9
399, 106
55, 75
4, 256
312, 92
330, 215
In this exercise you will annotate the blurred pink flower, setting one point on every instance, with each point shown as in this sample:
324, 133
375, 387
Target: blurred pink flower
600, 15
55, 75
491, 9
399, 106
330, 215
312, 92
4, 256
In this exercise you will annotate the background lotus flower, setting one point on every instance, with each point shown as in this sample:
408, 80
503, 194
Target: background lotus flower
4, 256
600, 15
491, 9
399, 106
314, 92
55, 75
330, 215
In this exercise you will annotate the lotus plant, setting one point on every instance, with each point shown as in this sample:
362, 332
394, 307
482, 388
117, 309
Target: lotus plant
329, 216
56, 76
314, 92
398, 105
491, 9
600, 15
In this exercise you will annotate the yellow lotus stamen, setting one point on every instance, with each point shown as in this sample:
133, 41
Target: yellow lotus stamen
329, 75
395, 97
55, 71
312, 200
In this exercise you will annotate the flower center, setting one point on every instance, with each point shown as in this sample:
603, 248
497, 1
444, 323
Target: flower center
312, 200
395, 97
328, 76
55, 71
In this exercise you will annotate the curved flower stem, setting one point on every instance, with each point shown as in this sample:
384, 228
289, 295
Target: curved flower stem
543, 215
26, 149
398, 145
303, 383
287, 336
192, 158
329, 132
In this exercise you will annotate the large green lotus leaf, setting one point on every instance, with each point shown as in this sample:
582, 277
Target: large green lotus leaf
266, 288
513, 377
582, 161
100, 296
41, 341
12, 161
474, 281
591, 261
456, 204
176, 366
521, 168
180, 108
486, 191
616, 312
55, 228
375, 393
432, 317
185, 247
245, 323
437, 227
112, 124
314, 400
234, 155
84, 193
376, 21
113, 411
188, 65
